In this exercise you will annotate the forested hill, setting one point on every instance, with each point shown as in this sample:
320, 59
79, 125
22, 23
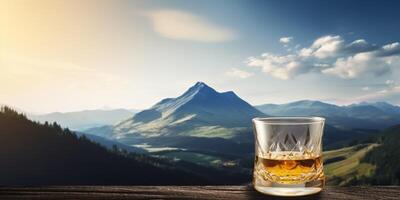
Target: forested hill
45, 154
386, 157
373, 161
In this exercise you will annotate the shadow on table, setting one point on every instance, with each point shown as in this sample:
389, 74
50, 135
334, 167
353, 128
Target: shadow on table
254, 194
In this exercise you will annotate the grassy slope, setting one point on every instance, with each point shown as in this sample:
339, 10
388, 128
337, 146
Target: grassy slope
216, 131
204, 158
342, 171
198, 158
341, 165
338, 172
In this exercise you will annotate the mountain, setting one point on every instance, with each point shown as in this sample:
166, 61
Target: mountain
45, 154
200, 111
204, 123
377, 115
202, 116
302, 108
381, 106
81, 120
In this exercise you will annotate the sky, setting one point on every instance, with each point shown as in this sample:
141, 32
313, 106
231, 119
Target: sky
74, 55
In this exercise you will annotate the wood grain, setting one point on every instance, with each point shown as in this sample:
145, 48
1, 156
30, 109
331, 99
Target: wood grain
185, 192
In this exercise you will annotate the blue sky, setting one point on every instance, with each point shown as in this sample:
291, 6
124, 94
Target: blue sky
134, 53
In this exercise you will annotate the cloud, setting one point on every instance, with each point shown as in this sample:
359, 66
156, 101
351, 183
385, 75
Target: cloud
358, 46
388, 94
389, 50
366, 88
389, 82
180, 25
237, 73
282, 67
285, 40
359, 64
331, 55
327, 46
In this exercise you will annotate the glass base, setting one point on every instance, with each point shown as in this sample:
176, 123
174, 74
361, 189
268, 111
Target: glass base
289, 190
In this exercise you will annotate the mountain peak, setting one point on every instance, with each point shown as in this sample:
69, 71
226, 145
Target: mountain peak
308, 103
199, 106
199, 87
200, 84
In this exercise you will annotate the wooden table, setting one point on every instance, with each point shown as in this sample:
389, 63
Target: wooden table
185, 192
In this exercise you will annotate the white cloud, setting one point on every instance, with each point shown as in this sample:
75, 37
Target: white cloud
359, 64
358, 46
389, 82
389, 49
327, 46
331, 55
282, 67
392, 46
366, 88
180, 25
389, 94
237, 73
285, 40
383, 91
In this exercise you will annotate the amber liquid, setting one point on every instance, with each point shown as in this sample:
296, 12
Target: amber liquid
288, 168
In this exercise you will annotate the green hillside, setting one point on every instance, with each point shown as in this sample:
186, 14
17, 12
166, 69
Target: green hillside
194, 157
344, 165
375, 163
386, 157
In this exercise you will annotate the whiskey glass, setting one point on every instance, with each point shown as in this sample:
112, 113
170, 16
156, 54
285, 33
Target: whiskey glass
288, 155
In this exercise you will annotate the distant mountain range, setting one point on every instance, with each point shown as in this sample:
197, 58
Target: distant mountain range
200, 111
203, 124
202, 116
81, 120
378, 115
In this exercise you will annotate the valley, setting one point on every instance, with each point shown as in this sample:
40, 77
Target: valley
203, 130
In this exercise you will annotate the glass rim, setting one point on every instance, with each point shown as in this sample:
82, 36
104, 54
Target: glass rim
286, 120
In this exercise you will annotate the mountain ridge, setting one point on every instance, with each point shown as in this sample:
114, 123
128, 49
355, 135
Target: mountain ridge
198, 109
84, 119
370, 115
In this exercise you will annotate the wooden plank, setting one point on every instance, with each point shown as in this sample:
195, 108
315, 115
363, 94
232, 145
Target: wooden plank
185, 192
